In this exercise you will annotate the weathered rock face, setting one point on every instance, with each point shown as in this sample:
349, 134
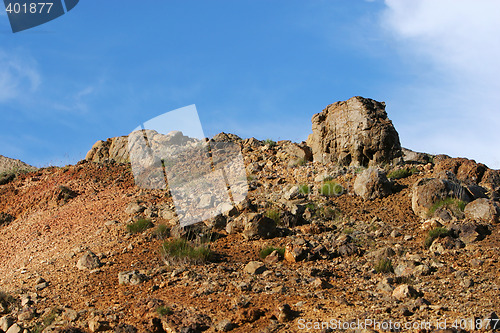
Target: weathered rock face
354, 132
115, 149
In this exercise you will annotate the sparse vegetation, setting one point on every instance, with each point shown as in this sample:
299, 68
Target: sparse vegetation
304, 189
384, 265
139, 226
402, 173
270, 249
435, 233
348, 231
331, 188
181, 249
50, 317
274, 215
269, 142
164, 311
162, 231
455, 206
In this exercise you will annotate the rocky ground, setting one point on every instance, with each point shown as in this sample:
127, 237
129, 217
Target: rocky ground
417, 251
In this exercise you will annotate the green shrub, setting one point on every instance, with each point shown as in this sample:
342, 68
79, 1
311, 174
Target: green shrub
274, 215
402, 173
456, 206
435, 233
181, 249
384, 265
162, 231
270, 249
304, 189
139, 226
269, 142
331, 188
348, 231
164, 311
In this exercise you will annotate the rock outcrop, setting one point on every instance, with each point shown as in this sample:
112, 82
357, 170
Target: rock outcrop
115, 149
354, 132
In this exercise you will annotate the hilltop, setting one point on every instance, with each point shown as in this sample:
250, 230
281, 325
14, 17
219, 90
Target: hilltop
346, 226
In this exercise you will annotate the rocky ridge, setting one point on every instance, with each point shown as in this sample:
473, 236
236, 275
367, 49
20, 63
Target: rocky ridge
414, 242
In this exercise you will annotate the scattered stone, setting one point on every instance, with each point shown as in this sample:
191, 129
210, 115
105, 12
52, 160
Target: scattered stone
134, 208
131, 278
97, 325
225, 325
294, 253
284, 313
15, 329
259, 226
405, 291
88, 261
6, 322
255, 267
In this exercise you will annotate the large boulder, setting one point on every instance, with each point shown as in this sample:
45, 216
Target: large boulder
354, 132
372, 183
483, 210
427, 191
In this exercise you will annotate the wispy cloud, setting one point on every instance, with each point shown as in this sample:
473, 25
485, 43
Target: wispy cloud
18, 76
454, 47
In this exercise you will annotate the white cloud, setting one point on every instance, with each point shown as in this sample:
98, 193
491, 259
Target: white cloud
18, 76
455, 48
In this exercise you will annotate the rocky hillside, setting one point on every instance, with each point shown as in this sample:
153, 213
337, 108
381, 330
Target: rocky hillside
9, 164
343, 243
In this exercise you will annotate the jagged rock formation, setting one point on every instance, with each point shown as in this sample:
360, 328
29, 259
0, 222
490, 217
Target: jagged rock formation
354, 132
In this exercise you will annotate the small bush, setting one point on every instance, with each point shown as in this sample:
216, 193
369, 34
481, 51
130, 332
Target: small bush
304, 189
331, 188
164, 311
50, 317
274, 215
162, 231
269, 142
402, 173
270, 249
348, 231
139, 226
384, 265
181, 249
456, 206
435, 233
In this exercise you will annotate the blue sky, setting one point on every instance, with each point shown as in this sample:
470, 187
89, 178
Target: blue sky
253, 68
